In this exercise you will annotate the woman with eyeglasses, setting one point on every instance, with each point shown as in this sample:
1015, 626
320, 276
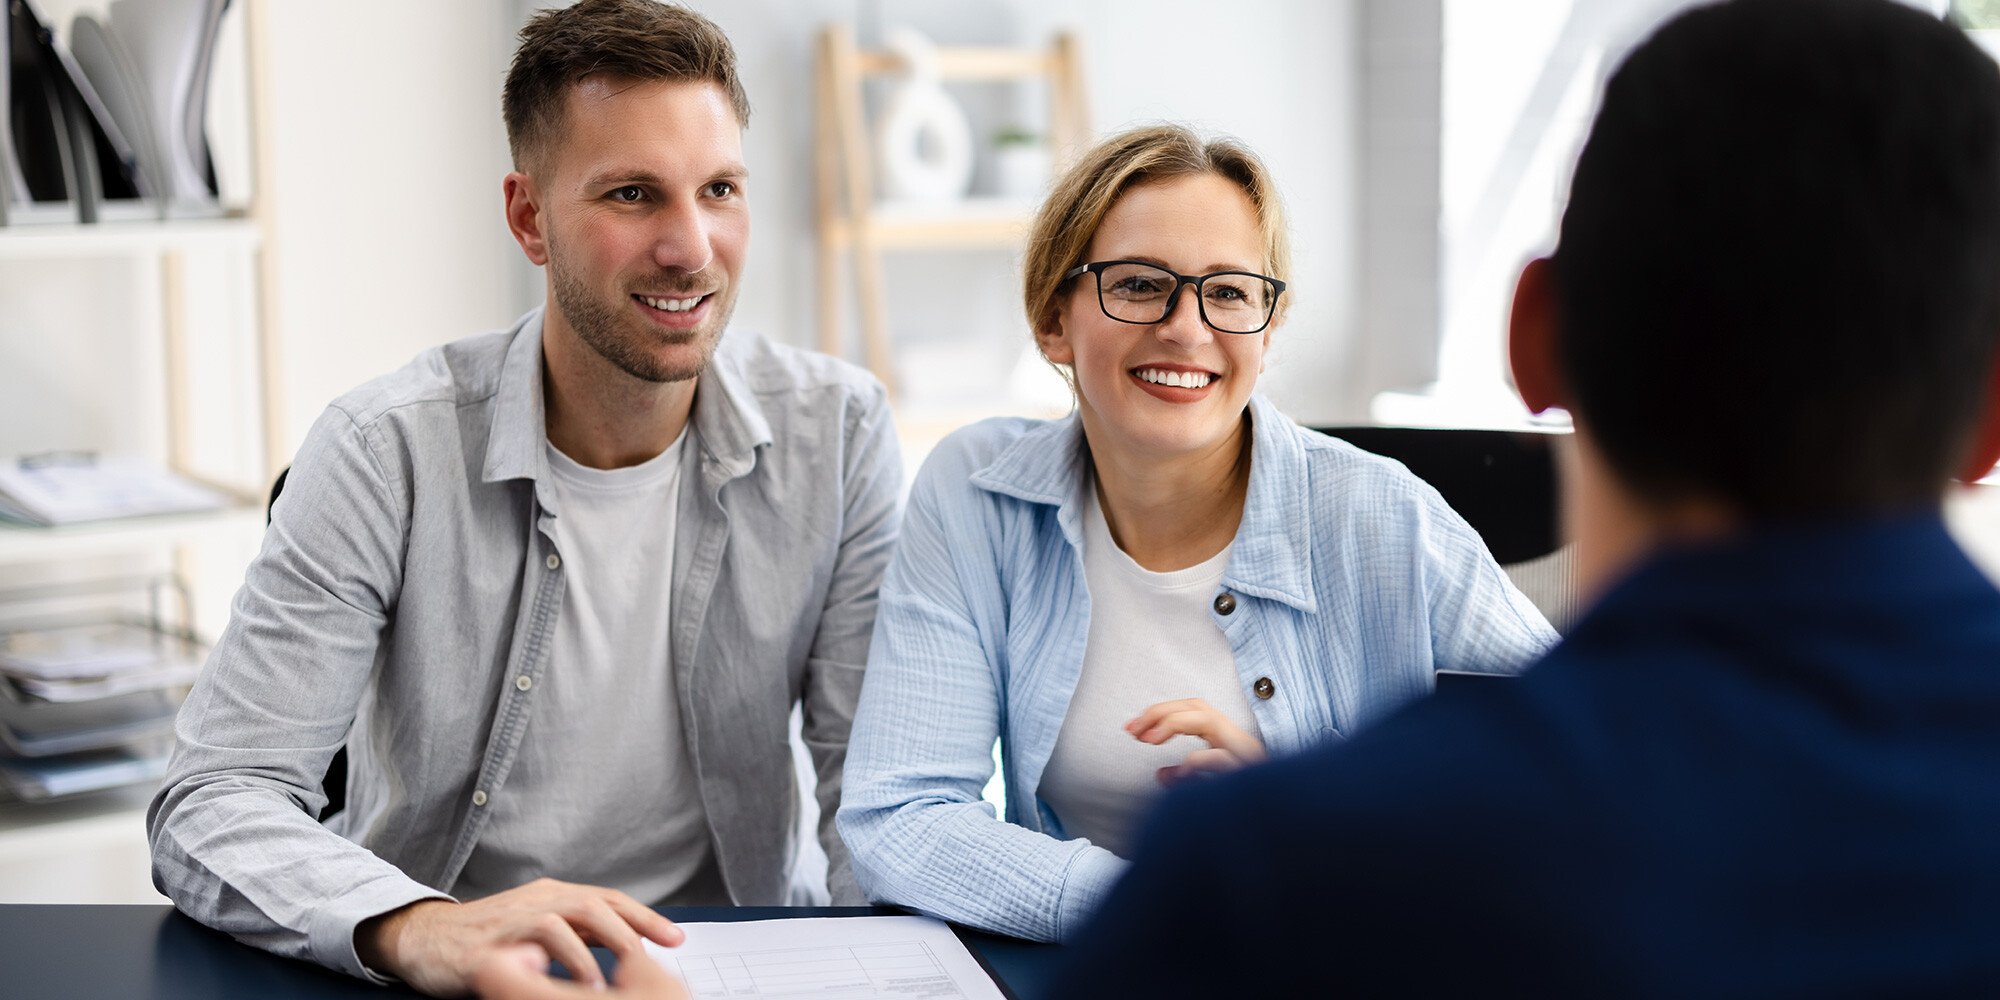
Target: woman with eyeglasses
1174, 579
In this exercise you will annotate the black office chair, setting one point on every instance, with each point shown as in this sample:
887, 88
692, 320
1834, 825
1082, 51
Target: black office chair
1504, 484
334, 784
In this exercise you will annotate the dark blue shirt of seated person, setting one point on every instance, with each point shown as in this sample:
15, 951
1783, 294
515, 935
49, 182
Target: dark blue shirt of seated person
1768, 767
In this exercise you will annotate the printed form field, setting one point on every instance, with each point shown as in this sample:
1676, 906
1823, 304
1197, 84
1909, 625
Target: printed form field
850, 958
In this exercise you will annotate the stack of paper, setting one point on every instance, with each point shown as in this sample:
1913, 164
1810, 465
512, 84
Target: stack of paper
92, 661
836, 958
58, 489
34, 780
44, 729
88, 706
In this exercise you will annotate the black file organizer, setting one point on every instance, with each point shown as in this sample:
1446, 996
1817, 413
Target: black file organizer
62, 158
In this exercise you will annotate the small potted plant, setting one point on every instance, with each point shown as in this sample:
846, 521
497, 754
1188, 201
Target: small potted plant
1020, 162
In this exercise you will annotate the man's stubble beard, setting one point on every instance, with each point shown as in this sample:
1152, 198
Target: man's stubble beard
598, 325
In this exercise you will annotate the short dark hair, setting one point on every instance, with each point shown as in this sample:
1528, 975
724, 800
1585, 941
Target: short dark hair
1778, 278
633, 39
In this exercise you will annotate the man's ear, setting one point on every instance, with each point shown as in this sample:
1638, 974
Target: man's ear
1986, 436
1531, 338
524, 216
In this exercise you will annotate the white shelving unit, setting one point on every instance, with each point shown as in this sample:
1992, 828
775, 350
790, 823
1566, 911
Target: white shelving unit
31, 545
54, 242
855, 227
92, 848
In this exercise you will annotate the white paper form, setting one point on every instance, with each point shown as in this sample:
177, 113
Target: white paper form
809, 958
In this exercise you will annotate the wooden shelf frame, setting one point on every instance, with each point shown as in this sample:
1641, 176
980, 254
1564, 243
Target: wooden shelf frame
855, 228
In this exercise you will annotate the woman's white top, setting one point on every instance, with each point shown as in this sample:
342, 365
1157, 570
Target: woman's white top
1152, 639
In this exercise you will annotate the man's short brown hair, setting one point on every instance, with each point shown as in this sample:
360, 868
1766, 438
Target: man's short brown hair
633, 39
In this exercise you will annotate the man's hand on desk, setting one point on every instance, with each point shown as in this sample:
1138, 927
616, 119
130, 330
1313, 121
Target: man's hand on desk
520, 972
434, 945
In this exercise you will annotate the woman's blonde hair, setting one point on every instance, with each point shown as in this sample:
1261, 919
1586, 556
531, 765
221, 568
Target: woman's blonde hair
1084, 194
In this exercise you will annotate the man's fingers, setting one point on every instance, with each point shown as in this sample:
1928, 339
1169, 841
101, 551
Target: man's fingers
516, 971
643, 977
599, 923
646, 920
554, 933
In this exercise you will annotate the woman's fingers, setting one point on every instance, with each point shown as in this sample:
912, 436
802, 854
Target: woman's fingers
1207, 760
1194, 717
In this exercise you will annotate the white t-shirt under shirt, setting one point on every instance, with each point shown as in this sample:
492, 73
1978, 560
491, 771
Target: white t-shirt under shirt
1151, 640
604, 750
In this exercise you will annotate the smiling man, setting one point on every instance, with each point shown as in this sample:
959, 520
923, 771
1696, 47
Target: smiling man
557, 589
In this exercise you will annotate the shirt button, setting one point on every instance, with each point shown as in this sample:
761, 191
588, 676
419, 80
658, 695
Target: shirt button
523, 682
1264, 688
554, 560
479, 797
1224, 604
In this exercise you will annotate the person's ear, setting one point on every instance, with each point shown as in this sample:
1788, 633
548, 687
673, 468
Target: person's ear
1986, 436
524, 216
1053, 339
1532, 330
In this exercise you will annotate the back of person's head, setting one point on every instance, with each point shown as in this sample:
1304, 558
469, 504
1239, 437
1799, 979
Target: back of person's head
629, 39
1076, 206
1778, 280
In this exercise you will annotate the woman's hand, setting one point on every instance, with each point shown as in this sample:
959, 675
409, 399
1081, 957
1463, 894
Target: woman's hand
1229, 747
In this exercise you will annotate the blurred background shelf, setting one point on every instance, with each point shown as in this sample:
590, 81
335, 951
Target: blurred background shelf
103, 239
855, 226
154, 338
19, 543
90, 847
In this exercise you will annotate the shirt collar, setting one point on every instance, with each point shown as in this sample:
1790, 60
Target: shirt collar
519, 427
728, 423
1273, 554
1828, 567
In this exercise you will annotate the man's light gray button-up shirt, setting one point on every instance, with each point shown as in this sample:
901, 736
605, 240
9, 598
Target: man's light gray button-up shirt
402, 606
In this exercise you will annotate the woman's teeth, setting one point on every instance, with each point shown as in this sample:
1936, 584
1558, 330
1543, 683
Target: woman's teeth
1185, 380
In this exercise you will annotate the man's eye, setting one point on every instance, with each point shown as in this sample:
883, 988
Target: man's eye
628, 194
721, 189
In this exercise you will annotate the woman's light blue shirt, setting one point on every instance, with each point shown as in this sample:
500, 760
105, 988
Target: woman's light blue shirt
1352, 582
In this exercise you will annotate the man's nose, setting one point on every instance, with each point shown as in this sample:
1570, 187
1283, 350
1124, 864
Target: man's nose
681, 241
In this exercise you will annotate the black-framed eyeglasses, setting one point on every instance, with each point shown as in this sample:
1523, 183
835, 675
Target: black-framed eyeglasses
1133, 291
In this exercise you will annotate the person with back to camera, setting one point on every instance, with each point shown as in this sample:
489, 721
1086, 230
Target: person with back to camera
1174, 579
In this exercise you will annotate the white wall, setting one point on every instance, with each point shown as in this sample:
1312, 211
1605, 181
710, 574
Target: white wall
1278, 75
1400, 79
388, 153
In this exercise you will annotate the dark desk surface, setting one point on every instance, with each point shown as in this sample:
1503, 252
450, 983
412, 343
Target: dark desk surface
154, 953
